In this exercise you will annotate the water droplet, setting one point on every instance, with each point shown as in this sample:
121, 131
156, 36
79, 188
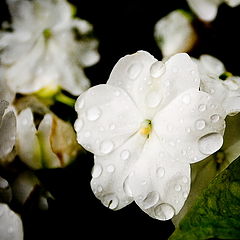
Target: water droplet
160, 172
80, 104
157, 69
164, 211
10, 230
144, 182
202, 107
96, 171
150, 200
125, 154
112, 127
110, 201
186, 99
106, 147
210, 143
134, 70
126, 187
93, 113
188, 130
25, 121
193, 72
177, 187
78, 125
185, 195
110, 168
153, 99
215, 118
185, 180
87, 134
200, 124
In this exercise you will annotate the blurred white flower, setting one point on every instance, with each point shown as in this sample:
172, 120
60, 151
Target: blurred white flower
174, 33
7, 130
145, 127
47, 48
52, 145
226, 91
10, 224
5, 191
206, 10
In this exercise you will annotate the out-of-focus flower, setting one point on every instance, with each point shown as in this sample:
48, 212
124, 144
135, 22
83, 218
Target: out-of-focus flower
226, 91
10, 224
145, 127
47, 48
5, 191
206, 10
27, 188
50, 144
7, 130
174, 33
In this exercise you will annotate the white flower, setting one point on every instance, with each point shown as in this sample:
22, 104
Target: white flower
226, 92
52, 145
10, 224
174, 33
7, 130
206, 10
47, 47
145, 127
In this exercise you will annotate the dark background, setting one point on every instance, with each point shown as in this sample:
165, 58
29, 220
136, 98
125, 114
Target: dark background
122, 27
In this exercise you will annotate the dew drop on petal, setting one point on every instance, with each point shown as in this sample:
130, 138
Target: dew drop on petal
126, 187
153, 99
96, 171
157, 69
215, 118
150, 200
210, 143
110, 201
164, 211
177, 187
185, 195
117, 93
200, 124
99, 188
112, 126
25, 121
93, 113
202, 107
87, 134
125, 154
184, 179
106, 147
80, 104
78, 125
110, 168
134, 70
160, 172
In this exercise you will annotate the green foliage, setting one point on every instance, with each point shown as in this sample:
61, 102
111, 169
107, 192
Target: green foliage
216, 213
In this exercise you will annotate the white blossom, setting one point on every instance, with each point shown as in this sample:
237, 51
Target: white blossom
174, 33
47, 48
145, 127
10, 224
206, 10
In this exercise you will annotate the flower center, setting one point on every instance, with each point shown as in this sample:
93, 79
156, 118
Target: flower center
47, 33
146, 128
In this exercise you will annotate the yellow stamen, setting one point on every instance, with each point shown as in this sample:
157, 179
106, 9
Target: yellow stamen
146, 128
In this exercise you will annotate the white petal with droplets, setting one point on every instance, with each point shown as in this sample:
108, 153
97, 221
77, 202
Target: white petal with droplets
166, 181
193, 134
108, 118
111, 173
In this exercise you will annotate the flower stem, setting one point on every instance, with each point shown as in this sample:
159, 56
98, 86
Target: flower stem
60, 97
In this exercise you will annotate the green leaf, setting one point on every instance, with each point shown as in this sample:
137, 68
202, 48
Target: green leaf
216, 212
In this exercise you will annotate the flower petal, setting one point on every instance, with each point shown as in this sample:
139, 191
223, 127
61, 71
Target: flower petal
10, 224
28, 147
205, 9
151, 83
159, 183
106, 118
110, 173
191, 127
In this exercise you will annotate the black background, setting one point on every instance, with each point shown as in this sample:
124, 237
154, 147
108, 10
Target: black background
122, 27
